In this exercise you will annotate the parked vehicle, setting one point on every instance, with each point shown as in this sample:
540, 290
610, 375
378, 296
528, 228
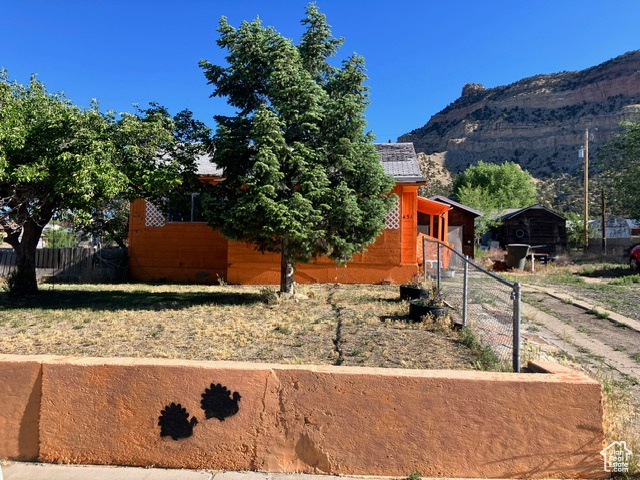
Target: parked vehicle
634, 258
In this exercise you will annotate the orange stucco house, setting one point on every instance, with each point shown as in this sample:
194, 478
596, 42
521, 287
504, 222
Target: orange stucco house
181, 247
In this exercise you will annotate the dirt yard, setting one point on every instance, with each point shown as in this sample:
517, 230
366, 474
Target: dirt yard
329, 324
572, 309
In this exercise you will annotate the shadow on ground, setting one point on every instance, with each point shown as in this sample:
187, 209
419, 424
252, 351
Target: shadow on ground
114, 300
608, 271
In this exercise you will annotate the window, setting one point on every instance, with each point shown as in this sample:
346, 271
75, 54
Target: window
185, 208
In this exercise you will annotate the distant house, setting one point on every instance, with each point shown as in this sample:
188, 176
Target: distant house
615, 227
178, 245
536, 226
461, 231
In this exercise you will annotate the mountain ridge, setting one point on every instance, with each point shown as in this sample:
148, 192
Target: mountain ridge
538, 121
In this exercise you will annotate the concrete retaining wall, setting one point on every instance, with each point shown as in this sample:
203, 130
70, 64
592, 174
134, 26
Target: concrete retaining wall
339, 420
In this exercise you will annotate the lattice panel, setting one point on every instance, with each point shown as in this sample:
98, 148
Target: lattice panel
153, 216
392, 221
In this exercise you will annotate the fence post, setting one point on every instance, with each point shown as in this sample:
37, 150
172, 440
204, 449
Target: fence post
424, 258
465, 290
438, 267
517, 299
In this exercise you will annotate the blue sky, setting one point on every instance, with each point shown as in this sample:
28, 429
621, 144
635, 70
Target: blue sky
419, 54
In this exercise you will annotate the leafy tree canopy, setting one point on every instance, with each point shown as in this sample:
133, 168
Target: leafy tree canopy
301, 176
623, 171
489, 187
56, 157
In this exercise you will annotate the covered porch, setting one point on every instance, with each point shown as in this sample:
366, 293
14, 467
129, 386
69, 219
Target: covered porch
433, 223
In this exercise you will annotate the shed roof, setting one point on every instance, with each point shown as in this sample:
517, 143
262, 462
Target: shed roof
400, 161
447, 200
510, 214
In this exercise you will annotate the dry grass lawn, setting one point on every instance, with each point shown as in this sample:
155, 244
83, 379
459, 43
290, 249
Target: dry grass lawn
228, 323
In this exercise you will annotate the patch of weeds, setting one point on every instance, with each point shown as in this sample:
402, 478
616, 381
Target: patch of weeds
16, 323
77, 327
356, 352
567, 301
530, 352
619, 348
588, 270
282, 329
566, 337
621, 417
584, 351
583, 329
598, 313
636, 357
533, 328
157, 331
415, 476
565, 277
269, 296
628, 280
486, 359
563, 357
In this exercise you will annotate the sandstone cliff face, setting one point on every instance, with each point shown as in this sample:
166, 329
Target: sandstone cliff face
538, 122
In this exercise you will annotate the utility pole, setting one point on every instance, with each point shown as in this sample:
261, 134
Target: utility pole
604, 223
586, 190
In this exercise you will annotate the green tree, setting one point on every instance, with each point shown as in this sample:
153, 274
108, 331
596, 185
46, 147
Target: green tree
489, 187
622, 160
301, 177
56, 157
60, 238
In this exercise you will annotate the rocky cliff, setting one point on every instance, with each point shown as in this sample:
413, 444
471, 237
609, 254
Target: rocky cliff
538, 122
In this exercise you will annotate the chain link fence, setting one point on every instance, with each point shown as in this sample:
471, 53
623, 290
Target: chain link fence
479, 299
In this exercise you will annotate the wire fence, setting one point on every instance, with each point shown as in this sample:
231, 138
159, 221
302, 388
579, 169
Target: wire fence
481, 300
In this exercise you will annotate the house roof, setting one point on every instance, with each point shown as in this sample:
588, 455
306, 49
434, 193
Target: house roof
443, 199
510, 213
206, 167
432, 207
400, 161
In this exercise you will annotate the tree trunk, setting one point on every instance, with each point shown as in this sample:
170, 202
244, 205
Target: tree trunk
23, 281
287, 267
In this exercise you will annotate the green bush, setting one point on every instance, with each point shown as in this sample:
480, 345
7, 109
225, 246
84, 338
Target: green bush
60, 238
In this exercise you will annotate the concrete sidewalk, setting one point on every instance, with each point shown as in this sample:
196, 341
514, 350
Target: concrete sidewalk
46, 471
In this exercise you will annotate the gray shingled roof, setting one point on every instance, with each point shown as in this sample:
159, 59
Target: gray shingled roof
206, 167
400, 161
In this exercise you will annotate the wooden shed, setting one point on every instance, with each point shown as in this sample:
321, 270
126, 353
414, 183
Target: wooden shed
183, 248
536, 226
461, 230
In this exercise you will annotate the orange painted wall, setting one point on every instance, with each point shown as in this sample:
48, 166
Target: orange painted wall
193, 252
309, 419
388, 259
409, 227
178, 251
